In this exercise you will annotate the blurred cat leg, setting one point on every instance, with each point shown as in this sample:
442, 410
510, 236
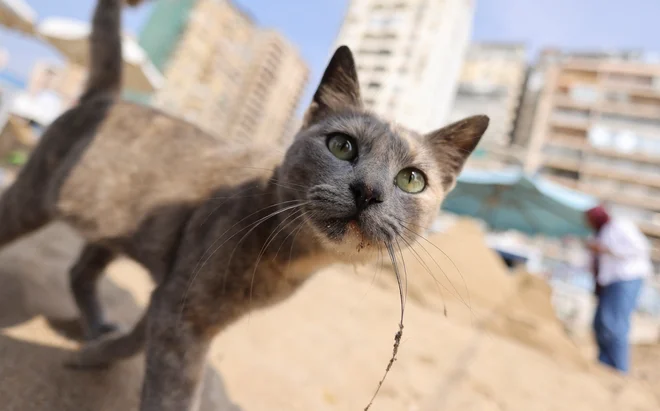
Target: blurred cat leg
84, 276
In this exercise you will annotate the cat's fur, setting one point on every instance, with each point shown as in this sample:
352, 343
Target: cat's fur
222, 230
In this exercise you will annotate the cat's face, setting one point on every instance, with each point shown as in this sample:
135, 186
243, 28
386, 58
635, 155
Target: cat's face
367, 183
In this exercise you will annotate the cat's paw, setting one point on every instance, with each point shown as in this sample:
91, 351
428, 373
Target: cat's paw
93, 355
98, 331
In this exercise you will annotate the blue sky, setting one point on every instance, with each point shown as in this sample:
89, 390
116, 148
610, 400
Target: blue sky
313, 24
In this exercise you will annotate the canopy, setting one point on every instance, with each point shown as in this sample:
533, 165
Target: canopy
511, 200
17, 15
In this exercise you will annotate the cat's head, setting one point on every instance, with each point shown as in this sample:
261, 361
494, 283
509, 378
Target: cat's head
366, 181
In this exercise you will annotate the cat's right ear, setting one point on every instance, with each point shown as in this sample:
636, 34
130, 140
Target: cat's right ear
339, 88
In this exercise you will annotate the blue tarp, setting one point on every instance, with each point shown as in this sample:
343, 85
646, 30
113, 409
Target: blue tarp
511, 200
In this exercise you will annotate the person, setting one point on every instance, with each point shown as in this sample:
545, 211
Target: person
622, 261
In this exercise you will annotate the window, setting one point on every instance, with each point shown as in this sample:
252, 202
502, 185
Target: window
584, 94
618, 97
562, 152
600, 137
373, 85
380, 69
572, 175
625, 142
571, 116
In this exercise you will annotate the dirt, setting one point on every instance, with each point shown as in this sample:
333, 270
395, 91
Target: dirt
498, 348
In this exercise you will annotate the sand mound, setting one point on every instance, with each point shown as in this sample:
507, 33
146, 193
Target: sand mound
323, 349
477, 289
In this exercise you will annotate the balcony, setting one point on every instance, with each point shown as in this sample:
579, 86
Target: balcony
639, 90
574, 125
566, 101
639, 157
562, 163
567, 141
625, 176
630, 109
614, 195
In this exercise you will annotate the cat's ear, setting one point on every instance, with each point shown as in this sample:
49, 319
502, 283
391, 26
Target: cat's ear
453, 144
339, 88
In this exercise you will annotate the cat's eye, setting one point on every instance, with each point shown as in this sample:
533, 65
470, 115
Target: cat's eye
410, 180
342, 146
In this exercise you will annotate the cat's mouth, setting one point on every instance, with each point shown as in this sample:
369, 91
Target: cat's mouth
352, 232
340, 224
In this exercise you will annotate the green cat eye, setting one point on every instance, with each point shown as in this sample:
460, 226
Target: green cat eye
342, 146
410, 180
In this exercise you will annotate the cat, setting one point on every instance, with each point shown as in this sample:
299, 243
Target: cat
222, 229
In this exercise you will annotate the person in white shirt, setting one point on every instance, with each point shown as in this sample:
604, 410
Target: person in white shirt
622, 261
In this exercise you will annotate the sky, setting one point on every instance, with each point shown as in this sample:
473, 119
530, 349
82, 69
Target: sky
313, 24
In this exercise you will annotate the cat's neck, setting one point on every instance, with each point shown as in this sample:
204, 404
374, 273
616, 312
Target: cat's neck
261, 220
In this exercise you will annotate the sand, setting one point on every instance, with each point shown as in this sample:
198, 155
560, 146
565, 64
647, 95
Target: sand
327, 346
39, 329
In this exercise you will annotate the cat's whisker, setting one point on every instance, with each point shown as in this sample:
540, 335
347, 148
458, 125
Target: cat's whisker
405, 270
379, 264
297, 190
224, 202
405, 225
453, 291
437, 283
293, 242
303, 215
251, 226
243, 219
269, 240
417, 235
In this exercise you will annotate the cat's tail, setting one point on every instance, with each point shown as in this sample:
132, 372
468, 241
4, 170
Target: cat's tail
105, 50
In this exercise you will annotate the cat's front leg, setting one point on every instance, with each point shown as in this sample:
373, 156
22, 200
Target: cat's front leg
176, 354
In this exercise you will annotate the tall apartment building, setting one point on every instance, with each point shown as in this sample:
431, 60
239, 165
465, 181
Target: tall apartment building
596, 128
271, 91
223, 72
491, 82
409, 55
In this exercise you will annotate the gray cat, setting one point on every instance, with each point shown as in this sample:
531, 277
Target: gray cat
222, 230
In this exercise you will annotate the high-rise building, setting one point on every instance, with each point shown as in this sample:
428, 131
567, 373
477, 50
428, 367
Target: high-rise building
491, 83
596, 127
223, 72
271, 91
409, 55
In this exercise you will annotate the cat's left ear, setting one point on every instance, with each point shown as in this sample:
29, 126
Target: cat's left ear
453, 144
339, 88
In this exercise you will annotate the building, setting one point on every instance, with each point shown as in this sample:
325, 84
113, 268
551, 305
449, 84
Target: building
409, 55
271, 91
222, 72
596, 127
66, 81
491, 82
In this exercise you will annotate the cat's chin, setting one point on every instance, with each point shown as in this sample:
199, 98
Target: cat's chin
352, 245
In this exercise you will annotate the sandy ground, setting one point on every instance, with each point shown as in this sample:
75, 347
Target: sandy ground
498, 347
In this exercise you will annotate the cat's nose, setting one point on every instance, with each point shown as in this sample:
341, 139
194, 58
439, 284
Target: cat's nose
365, 195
